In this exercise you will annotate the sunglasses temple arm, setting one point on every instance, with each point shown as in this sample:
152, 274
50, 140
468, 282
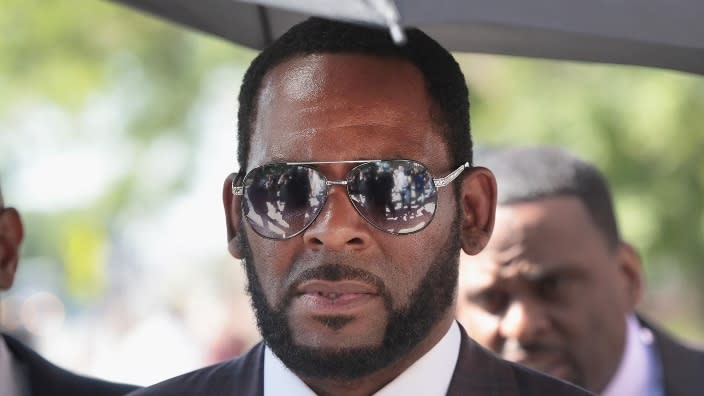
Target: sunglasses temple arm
236, 188
443, 181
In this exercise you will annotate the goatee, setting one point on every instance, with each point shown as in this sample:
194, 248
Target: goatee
406, 327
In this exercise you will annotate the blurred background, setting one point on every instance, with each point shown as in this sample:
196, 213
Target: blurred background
117, 131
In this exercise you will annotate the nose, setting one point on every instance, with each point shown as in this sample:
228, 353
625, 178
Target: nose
338, 226
524, 321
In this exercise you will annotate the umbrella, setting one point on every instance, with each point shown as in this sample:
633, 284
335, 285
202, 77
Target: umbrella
656, 33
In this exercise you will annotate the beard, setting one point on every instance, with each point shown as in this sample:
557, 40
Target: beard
406, 327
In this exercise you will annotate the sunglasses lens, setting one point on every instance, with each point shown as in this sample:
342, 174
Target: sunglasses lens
282, 200
396, 196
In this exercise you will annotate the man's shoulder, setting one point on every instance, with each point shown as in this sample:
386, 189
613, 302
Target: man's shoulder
241, 376
45, 378
682, 364
673, 351
531, 382
481, 372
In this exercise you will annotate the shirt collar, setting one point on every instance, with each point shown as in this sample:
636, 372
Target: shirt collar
639, 372
430, 375
8, 371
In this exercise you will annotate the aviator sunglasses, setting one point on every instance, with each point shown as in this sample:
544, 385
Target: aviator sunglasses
398, 196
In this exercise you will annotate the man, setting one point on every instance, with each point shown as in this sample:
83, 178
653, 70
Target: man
556, 287
351, 297
23, 371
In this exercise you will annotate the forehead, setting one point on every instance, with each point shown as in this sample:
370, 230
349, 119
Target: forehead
345, 106
549, 235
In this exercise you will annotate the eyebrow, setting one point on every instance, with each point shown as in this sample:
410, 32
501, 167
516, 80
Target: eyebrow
537, 276
497, 278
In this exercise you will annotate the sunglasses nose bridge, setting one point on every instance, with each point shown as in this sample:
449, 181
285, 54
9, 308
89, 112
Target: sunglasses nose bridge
331, 183
338, 225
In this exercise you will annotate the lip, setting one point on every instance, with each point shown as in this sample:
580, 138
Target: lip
321, 297
317, 286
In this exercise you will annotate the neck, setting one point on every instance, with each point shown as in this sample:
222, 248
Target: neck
372, 383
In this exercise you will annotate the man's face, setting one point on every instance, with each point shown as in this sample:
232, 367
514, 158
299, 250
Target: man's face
549, 292
343, 299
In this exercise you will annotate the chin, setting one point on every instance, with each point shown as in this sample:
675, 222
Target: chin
335, 334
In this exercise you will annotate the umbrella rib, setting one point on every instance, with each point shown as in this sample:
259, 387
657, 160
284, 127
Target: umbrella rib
265, 24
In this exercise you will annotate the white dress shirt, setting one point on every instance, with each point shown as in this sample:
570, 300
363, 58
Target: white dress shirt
429, 376
639, 373
9, 385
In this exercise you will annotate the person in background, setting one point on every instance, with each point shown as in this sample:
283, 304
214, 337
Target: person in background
556, 287
23, 372
352, 298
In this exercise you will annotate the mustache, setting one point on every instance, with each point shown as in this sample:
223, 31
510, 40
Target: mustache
331, 271
335, 272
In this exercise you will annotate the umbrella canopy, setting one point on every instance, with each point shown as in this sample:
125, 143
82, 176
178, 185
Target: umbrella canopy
657, 33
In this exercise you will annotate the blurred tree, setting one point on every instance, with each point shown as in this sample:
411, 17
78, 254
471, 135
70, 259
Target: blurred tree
73, 58
67, 59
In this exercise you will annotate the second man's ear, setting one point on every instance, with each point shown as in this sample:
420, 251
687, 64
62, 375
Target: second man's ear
233, 214
478, 208
632, 273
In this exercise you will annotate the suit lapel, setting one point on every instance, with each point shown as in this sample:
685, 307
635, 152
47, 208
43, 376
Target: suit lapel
247, 377
679, 364
31, 368
479, 373
19, 368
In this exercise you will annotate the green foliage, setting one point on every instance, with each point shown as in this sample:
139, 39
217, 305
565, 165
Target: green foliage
642, 127
70, 53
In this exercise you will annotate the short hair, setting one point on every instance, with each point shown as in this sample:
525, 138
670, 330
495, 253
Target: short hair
527, 174
444, 80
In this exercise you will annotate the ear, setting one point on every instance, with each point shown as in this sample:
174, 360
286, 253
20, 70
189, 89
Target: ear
11, 235
631, 272
478, 207
233, 214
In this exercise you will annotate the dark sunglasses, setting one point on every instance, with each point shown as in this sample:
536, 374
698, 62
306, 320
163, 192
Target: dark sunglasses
397, 196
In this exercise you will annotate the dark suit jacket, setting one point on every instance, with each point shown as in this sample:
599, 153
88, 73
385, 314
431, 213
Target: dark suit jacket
46, 379
683, 366
478, 373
